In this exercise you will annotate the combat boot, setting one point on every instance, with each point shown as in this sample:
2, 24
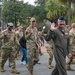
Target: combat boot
16, 58
2, 69
15, 71
50, 66
69, 68
31, 73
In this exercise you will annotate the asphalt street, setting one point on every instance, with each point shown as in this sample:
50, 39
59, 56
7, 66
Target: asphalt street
39, 69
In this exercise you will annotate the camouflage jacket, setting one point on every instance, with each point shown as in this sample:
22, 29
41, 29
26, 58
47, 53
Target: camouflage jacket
72, 38
18, 36
32, 38
8, 40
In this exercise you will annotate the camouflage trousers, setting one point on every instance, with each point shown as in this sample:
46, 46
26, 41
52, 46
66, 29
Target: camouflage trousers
33, 57
50, 52
70, 60
8, 53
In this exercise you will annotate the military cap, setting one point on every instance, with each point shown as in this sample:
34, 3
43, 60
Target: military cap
61, 18
32, 19
10, 24
73, 25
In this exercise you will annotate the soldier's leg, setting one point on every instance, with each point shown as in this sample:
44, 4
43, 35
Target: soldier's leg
50, 52
68, 67
30, 59
30, 56
36, 56
12, 61
4, 57
73, 61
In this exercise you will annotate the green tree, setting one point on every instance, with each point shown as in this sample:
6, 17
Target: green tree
55, 9
69, 3
16, 11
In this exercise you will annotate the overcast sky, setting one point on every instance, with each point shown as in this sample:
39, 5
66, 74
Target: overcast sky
29, 1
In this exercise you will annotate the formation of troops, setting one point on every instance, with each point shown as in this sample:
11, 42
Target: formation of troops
59, 42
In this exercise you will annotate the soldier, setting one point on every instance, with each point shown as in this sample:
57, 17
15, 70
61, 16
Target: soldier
72, 42
31, 35
8, 48
19, 34
61, 42
49, 46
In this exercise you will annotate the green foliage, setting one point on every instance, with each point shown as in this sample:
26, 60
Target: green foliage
16, 11
55, 9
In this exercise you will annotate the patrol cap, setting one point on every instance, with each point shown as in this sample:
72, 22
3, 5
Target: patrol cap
61, 18
10, 24
73, 25
32, 19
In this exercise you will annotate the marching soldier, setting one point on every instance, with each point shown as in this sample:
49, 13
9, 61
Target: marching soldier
49, 46
31, 35
60, 37
19, 34
8, 48
72, 42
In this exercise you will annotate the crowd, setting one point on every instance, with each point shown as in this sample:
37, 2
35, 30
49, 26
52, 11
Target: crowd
60, 42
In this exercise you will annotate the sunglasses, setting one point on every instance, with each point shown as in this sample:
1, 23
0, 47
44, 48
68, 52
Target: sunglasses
33, 21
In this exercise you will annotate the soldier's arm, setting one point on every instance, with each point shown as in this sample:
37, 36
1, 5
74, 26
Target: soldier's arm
17, 38
27, 33
3, 34
50, 35
69, 43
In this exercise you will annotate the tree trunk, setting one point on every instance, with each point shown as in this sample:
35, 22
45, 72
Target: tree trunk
69, 12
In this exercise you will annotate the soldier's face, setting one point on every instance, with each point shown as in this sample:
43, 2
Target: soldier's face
10, 28
33, 23
61, 23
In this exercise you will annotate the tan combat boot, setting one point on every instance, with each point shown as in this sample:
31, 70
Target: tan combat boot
50, 66
69, 68
15, 71
2, 69
31, 73
16, 58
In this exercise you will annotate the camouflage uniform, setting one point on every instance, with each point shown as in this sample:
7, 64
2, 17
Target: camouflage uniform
8, 50
72, 42
32, 47
49, 46
19, 34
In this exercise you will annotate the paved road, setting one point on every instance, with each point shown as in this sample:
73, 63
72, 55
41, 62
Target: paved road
39, 69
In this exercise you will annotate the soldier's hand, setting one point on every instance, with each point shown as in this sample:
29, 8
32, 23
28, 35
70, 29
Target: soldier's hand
6, 32
31, 30
69, 55
52, 26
